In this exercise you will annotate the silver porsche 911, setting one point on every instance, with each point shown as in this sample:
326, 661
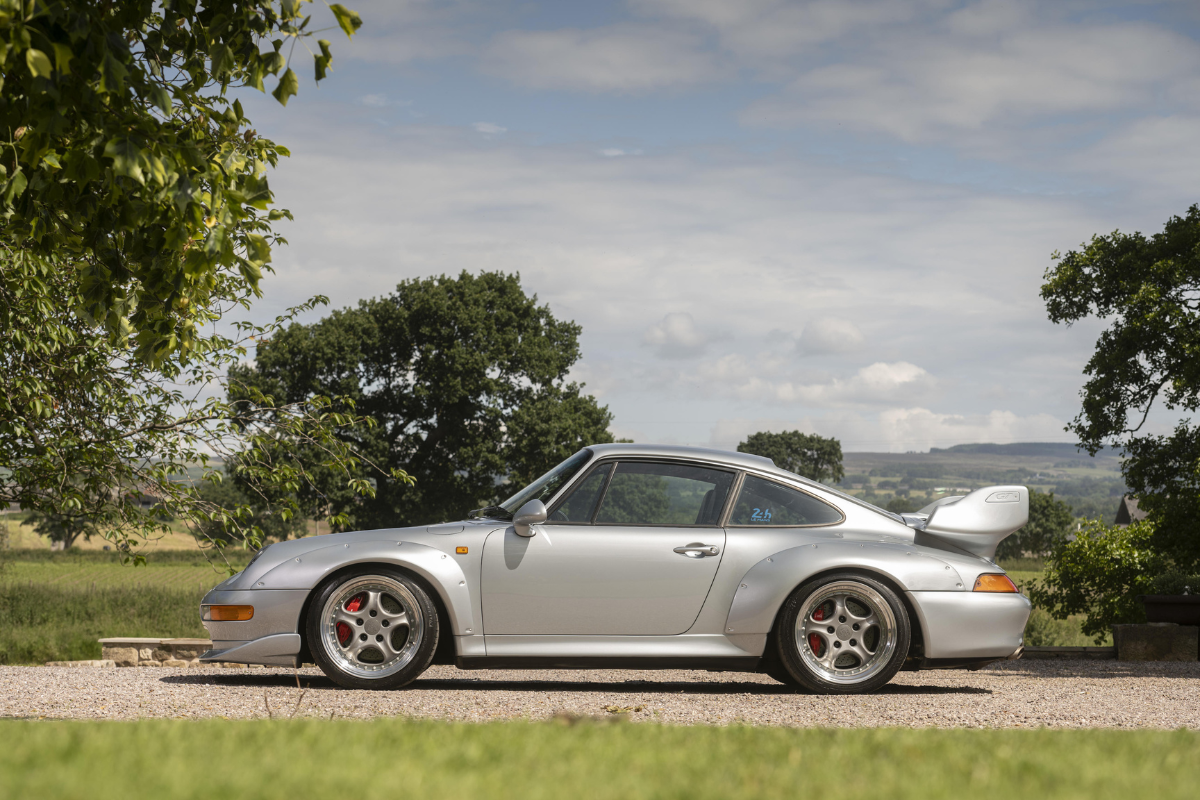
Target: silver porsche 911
643, 557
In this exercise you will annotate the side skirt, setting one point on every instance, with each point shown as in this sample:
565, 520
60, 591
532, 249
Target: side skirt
737, 664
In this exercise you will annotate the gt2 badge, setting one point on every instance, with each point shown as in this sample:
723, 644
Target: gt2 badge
761, 515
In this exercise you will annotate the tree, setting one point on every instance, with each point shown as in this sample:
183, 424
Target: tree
901, 505
1100, 573
268, 517
806, 454
135, 204
63, 528
127, 161
1050, 522
465, 379
1149, 289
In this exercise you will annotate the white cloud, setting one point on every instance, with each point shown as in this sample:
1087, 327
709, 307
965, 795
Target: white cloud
828, 335
616, 152
374, 100
934, 84
771, 380
758, 31
1156, 155
489, 128
919, 428
618, 58
748, 244
676, 336
898, 430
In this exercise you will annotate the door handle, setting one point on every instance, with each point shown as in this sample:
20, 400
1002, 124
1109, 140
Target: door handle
697, 550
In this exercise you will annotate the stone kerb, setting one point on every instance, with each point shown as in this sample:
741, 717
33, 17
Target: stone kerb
150, 652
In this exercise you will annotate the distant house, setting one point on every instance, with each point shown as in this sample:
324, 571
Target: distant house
1129, 512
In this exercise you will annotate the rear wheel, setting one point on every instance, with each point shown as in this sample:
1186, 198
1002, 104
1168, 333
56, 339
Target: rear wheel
373, 629
843, 634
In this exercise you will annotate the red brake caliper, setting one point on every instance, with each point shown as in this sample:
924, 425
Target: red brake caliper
343, 630
814, 641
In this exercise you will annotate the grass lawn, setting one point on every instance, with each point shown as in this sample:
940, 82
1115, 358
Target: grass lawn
55, 606
387, 758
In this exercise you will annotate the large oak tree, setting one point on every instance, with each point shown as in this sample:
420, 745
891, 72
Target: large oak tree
1148, 290
465, 379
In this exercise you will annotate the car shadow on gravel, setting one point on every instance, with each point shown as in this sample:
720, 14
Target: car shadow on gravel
541, 686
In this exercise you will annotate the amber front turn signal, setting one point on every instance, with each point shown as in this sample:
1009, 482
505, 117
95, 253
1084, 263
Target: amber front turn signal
226, 613
462, 551
994, 583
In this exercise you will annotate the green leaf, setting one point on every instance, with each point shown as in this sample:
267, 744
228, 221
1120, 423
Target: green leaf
125, 155
258, 249
16, 185
38, 63
112, 74
161, 99
289, 85
62, 58
222, 60
322, 60
349, 20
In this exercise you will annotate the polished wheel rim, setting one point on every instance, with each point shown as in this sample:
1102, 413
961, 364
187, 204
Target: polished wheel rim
372, 626
846, 632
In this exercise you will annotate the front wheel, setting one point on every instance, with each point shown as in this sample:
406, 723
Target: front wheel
843, 634
375, 628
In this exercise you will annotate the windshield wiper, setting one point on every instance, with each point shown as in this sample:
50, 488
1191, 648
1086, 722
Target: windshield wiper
493, 512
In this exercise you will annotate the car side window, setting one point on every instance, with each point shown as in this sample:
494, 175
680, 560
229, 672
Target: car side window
664, 494
581, 502
761, 503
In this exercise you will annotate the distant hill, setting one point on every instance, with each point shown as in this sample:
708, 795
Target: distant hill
1093, 486
1052, 449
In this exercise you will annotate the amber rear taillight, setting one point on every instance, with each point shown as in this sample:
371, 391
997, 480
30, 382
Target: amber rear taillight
227, 613
994, 583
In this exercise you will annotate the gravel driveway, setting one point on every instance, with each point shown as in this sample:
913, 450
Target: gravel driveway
1069, 694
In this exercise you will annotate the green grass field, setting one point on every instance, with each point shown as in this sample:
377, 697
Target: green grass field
387, 758
55, 606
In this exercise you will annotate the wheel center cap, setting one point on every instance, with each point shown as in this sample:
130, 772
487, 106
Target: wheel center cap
371, 626
844, 632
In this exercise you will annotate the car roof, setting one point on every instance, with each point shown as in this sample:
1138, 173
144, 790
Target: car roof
679, 451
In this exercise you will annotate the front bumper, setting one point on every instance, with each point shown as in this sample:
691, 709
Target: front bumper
971, 625
271, 637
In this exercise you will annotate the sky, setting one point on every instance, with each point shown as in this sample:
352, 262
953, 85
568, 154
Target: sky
765, 215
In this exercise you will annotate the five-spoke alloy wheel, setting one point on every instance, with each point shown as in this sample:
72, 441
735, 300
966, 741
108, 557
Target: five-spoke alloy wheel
372, 629
842, 634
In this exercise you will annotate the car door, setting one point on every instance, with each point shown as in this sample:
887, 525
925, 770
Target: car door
631, 550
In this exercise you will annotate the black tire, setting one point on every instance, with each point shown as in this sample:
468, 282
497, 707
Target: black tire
396, 609
843, 660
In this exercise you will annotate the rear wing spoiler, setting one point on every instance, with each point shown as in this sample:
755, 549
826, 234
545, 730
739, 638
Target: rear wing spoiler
976, 522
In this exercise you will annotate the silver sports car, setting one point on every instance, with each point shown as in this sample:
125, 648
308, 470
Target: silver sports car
643, 557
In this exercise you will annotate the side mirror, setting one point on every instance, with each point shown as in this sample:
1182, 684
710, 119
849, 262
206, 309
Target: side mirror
532, 513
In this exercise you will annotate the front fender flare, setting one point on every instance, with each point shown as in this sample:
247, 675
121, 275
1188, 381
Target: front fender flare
441, 571
765, 586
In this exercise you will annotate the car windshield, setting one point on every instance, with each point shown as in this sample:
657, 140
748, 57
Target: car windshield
548, 485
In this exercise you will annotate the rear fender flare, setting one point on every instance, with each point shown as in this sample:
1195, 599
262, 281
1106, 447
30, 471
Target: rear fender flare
765, 586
